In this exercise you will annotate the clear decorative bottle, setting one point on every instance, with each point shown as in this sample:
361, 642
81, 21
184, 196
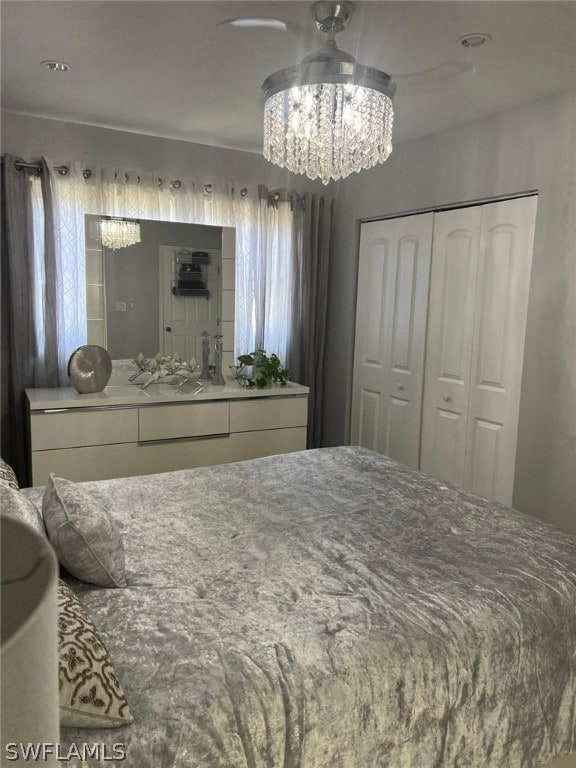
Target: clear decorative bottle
218, 377
205, 375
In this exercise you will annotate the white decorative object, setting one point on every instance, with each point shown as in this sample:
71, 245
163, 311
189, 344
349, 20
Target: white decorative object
160, 367
329, 116
29, 649
119, 233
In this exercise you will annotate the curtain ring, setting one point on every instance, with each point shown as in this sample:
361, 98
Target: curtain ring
87, 173
208, 188
160, 182
176, 184
244, 191
276, 196
115, 175
63, 170
126, 177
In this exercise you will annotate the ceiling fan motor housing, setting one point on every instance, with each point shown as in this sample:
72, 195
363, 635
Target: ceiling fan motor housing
332, 17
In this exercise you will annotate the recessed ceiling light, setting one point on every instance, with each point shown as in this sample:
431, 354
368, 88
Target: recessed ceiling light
474, 40
258, 22
56, 66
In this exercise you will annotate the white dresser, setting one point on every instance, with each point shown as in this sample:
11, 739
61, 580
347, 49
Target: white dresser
125, 430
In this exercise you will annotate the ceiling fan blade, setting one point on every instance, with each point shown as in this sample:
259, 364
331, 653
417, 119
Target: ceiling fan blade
268, 23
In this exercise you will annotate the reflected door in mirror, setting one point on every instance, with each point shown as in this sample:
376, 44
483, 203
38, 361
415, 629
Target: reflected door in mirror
185, 313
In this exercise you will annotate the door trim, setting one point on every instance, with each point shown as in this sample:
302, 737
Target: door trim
452, 206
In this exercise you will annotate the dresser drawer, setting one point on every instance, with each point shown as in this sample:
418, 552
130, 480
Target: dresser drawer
266, 442
76, 428
100, 462
268, 413
172, 422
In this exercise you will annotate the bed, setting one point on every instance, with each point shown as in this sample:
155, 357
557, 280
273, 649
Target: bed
334, 609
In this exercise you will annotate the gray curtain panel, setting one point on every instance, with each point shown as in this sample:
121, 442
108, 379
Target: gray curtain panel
28, 309
312, 228
311, 232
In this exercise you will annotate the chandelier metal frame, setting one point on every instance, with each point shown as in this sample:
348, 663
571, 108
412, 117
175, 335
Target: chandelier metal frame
328, 66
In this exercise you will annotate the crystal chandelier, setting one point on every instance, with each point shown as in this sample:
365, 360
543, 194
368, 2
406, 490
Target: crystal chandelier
119, 233
329, 116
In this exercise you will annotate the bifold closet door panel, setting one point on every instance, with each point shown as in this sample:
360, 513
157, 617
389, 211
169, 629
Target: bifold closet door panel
505, 261
449, 343
393, 280
481, 264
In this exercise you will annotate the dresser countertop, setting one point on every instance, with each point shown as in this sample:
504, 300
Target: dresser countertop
133, 395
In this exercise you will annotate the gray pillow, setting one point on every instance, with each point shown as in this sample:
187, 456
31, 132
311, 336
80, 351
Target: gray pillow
15, 504
85, 538
7, 475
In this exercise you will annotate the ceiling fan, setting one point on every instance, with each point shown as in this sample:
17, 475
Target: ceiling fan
409, 83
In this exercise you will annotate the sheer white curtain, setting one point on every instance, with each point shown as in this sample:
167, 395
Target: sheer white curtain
276, 289
69, 200
263, 243
37, 240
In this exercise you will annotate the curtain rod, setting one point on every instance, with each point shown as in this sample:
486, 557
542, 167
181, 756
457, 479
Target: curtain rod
19, 164
63, 170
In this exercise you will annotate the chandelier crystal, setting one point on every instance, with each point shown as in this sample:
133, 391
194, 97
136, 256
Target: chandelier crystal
119, 233
329, 116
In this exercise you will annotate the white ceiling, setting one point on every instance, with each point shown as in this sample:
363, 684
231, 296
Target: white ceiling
173, 69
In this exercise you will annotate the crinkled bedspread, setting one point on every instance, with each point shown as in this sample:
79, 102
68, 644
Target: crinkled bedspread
334, 609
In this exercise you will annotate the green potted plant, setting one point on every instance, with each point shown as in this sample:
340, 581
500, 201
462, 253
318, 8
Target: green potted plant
258, 369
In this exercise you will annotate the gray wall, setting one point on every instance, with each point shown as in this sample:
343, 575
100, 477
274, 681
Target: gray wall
31, 137
532, 147
132, 273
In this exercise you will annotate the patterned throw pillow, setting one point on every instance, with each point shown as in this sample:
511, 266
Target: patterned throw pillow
8, 476
15, 504
87, 542
90, 694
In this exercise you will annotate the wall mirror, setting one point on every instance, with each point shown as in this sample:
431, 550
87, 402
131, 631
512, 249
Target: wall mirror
160, 294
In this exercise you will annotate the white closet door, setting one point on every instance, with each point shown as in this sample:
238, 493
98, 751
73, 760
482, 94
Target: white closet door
393, 277
449, 343
498, 346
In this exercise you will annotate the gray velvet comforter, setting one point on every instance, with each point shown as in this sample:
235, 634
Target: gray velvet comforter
334, 609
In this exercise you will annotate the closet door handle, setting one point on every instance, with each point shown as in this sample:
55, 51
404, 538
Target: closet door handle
400, 387
446, 398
